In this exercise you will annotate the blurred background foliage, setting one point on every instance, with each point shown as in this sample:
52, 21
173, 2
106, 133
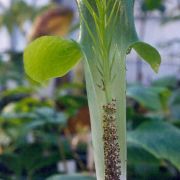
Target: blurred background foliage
45, 131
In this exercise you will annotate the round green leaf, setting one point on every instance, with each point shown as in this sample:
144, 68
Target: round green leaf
50, 57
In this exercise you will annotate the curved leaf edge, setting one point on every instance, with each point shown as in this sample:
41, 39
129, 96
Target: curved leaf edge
148, 53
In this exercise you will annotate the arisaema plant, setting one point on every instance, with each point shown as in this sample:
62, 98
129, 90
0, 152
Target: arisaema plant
107, 35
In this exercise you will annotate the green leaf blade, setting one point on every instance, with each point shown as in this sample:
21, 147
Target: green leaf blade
50, 57
159, 138
148, 53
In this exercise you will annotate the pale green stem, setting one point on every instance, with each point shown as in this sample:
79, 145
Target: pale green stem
91, 35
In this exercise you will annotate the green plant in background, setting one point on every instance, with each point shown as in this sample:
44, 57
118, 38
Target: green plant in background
151, 128
13, 19
107, 36
26, 130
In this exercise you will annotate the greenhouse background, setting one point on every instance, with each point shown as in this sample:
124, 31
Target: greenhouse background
45, 130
